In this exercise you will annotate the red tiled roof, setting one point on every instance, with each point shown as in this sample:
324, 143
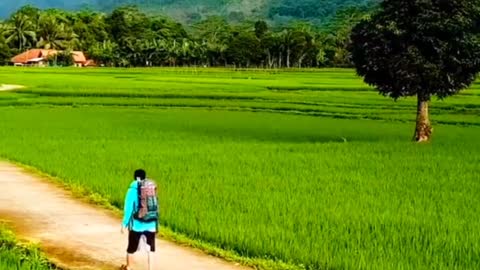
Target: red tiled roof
79, 57
23, 58
90, 63
47, 53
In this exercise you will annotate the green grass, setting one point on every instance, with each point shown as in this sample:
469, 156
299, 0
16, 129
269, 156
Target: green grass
331, 93
315, 178
16, 257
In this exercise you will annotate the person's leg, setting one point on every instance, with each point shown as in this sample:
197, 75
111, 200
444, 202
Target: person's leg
151, 255
133, 241
150, 261
129, 262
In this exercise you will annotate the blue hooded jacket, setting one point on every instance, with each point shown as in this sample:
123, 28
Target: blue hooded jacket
131, 201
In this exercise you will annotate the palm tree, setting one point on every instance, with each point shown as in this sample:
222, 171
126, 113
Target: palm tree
286, 45
173, 51
133, 51
71, 39
104, 52
22, 31
3, 29
54, 34
186, 50
4, 49
215, 34
199, 53
326, 44
156, 51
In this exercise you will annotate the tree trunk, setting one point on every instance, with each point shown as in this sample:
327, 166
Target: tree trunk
288, 57
269, 59
300, 60
280, 60
423, 130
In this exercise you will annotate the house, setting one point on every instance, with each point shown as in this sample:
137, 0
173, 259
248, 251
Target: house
39, 57
79, 58
35, 57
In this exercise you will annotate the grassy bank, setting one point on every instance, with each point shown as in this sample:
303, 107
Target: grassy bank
14, 256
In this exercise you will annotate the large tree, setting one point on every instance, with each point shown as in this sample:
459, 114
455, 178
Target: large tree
127, 23
90, 28
421, 48
214, 33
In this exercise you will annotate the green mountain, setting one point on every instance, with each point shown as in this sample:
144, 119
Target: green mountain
188, 11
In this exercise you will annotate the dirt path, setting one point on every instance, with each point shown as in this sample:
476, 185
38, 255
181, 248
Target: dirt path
77, 235
10, 87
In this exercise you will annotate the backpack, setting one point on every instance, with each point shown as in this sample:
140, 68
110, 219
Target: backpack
147, 210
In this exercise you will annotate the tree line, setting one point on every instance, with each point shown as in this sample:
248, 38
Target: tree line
127, 37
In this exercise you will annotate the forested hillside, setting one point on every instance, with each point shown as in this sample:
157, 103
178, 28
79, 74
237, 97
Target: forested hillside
130, 35
188, 11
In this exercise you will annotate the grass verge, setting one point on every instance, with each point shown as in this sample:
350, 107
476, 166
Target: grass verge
18, 256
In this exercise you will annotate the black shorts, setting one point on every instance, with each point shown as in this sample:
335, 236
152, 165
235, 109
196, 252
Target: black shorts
134, 240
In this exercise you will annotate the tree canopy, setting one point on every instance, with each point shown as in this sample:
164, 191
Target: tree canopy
420, 48
126, 36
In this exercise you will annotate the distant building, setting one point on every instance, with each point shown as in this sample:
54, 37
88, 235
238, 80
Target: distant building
39, 58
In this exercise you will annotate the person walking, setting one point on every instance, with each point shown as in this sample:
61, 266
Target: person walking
141, 217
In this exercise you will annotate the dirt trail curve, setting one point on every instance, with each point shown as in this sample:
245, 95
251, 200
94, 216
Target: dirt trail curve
77, 235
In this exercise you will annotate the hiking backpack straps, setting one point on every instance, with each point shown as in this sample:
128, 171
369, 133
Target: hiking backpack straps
147, 208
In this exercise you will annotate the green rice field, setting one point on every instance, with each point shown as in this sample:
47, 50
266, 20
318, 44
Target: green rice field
311, 168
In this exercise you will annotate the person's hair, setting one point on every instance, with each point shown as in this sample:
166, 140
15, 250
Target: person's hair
140, 174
